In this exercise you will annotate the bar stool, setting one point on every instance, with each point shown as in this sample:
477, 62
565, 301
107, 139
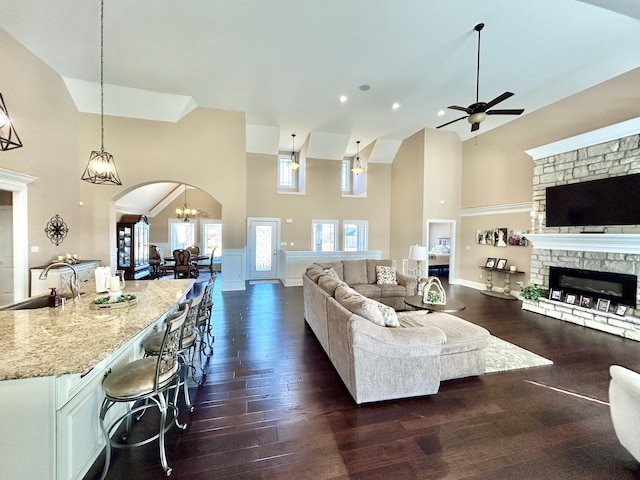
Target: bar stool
187, 349
147, 379
203, 326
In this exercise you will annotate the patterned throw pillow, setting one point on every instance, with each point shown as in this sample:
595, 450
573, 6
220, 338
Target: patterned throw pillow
386, 275
389, 316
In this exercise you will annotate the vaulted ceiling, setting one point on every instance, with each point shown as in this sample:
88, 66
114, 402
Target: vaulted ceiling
286, 63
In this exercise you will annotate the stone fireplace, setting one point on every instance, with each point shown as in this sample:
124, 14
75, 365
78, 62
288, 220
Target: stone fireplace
610, 252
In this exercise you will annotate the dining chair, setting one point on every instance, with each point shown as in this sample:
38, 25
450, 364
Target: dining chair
183, 266
156, 261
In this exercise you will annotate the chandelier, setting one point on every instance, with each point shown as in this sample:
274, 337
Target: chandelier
101, 167
185, 213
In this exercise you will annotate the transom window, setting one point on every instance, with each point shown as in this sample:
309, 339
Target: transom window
287, 177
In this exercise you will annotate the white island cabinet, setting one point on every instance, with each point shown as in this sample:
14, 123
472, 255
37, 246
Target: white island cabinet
52, 363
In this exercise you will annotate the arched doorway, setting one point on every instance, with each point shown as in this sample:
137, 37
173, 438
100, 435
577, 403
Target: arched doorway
158, 201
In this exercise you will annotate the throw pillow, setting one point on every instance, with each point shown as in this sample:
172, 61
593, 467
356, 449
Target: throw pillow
386, 275
389, 315
356, 303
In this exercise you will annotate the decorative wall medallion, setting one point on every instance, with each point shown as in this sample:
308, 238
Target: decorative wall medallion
56, 230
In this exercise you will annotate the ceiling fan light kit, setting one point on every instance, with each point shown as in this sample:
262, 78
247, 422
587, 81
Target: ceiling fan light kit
477, 112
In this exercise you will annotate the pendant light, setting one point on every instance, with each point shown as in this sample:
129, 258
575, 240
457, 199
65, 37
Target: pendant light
101, 168
8, 137
357, 166
293, 163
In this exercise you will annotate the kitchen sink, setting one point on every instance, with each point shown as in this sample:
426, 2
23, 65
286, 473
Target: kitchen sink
28, 304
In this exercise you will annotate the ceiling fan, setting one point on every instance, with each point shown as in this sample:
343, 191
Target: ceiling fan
477, 112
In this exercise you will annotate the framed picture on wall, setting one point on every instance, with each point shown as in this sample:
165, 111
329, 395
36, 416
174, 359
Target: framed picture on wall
570, 298
490, 263
502, 262
517, 239
500, 237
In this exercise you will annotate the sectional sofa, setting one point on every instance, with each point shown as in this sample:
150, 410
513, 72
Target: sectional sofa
378, 354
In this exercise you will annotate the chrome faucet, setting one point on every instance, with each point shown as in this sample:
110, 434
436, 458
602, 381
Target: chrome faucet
74, 283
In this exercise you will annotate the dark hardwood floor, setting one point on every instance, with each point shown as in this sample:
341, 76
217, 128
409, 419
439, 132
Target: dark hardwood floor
273, 407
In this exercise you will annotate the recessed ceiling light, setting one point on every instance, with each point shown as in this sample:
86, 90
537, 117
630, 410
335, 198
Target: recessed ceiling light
343, 98
440, 113
395, 105
364, 87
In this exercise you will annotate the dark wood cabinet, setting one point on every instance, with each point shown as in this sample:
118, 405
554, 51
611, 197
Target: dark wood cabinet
133, 246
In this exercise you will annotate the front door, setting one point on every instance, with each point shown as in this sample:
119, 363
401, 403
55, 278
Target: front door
264, 239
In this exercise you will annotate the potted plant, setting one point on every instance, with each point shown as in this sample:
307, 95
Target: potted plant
531, 292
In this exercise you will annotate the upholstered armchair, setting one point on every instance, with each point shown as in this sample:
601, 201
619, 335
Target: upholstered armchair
624, 400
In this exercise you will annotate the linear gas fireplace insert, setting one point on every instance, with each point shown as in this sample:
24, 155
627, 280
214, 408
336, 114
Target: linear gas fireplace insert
617, 287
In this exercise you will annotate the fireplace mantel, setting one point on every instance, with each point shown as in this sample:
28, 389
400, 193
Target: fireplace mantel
587, 242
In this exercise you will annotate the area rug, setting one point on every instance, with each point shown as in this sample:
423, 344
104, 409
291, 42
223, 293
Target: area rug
501, 356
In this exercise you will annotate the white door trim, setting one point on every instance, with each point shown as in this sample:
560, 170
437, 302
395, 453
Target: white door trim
17, 183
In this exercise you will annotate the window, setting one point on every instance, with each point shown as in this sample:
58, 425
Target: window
350, 183
346, 176
287, 177
323, 235
211, 234
355, 233
181, 234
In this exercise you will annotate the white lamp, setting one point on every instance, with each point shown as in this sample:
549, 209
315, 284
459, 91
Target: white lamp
420, 254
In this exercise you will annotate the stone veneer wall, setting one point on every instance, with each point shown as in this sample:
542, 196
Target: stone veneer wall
610, 159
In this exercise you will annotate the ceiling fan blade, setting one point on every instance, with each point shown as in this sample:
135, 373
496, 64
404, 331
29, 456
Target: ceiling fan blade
498, 99
515, 111
475, 126
452, 121
462, 109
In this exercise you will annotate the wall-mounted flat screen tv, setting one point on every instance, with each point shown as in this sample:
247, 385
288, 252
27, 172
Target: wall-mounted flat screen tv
608, 201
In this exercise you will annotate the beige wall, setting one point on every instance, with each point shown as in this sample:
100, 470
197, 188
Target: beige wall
323, 200
407, 193
46, 121
205, 149
426, 185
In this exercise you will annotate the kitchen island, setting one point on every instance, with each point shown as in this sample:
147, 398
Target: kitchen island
52, 362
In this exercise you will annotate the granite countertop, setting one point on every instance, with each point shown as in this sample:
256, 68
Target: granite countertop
74, 338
